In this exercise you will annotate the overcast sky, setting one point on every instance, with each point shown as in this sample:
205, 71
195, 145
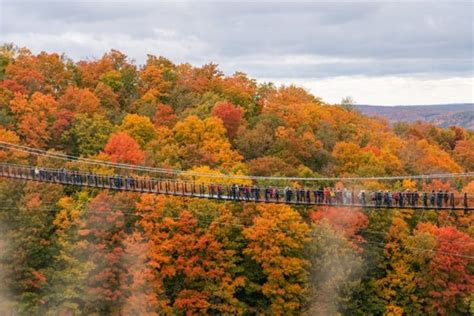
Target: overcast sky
378, 52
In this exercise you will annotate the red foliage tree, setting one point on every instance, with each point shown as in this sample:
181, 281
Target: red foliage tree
106, 220
13, 86
230, 115
164, 116
447, 279
64, 119
344, 220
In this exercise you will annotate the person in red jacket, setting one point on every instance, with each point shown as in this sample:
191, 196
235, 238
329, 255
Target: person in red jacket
327, 196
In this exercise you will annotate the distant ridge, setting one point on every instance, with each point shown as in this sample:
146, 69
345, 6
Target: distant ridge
443, 115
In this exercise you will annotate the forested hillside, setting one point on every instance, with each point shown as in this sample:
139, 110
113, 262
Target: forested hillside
442, 115
71, 251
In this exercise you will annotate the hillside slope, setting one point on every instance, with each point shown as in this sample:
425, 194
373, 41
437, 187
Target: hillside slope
442, 115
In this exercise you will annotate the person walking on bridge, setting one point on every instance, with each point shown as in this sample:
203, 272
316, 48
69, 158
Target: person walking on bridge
233, 190
42, 174
345, 197
240, 192
446, 198
267, 193
332, 196
257, 193
276, 193
62, 175
439, 198
388, 198
302, 195
338, 196
320, 195
416, 197
409, 197
395, 198
379, 198
247, 192
327, 196
288, 194
219, 191
400, 199
362, 198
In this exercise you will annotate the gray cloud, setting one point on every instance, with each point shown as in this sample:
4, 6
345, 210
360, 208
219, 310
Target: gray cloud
267, 39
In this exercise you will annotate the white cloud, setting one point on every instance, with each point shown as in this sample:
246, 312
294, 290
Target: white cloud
388, 90
389, 52
294, 60
79, 45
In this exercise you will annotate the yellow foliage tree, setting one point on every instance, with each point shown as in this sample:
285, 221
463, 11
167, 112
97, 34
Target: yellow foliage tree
139, 127
274, 242
204, 142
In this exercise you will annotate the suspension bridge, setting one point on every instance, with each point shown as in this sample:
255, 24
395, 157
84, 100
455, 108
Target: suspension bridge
174, 186
440, 200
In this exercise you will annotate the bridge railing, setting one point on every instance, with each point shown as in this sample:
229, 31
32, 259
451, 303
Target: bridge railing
412, 200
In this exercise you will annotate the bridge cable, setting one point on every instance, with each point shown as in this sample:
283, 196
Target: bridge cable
40, 152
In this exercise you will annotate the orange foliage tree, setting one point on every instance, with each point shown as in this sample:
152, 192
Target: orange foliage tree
123, 148
464, 152
79, 101
240, 90
10, 137
35, 117
423, 157
46, 73
183, 249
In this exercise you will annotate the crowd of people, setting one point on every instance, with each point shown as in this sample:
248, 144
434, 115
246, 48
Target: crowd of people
333, 196
322, 195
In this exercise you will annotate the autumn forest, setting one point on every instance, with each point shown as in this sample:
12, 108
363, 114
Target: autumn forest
66, 250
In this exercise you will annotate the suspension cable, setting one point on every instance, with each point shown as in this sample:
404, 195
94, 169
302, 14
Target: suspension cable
177, 172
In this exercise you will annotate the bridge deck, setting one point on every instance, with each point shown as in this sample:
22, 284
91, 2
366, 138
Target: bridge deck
188, 189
